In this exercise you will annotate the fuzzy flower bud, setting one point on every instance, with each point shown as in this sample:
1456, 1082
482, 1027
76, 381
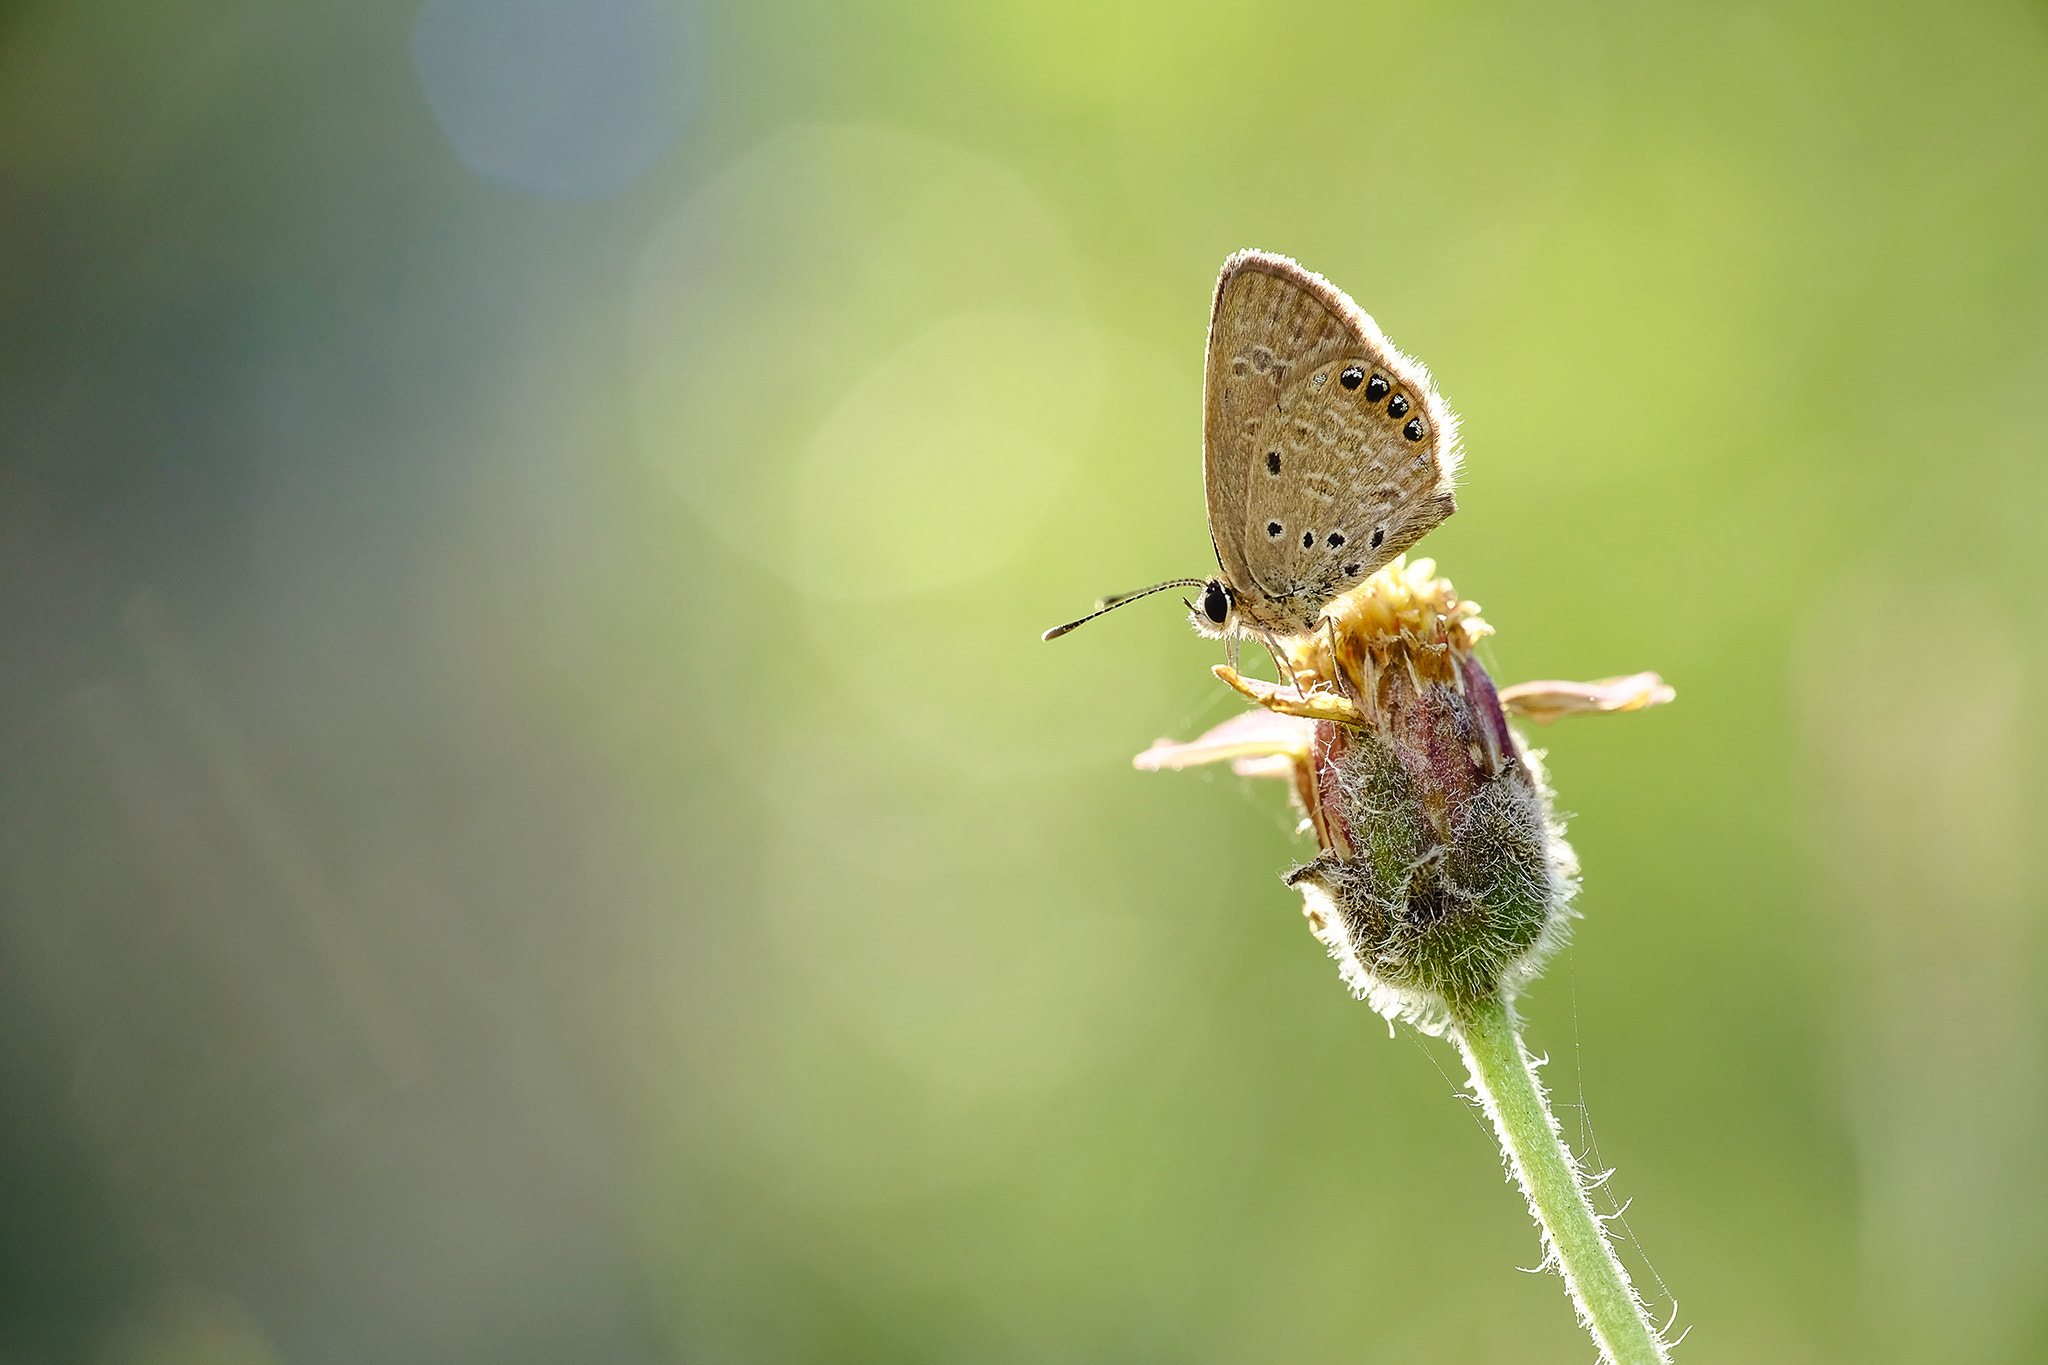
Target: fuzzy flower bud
1444, 880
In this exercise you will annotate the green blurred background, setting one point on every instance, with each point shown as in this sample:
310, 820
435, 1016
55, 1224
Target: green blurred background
535, 824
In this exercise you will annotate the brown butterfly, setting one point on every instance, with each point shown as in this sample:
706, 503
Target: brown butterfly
1325, 453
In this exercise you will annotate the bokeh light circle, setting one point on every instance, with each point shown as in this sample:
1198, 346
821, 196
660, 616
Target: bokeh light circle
844, 348
564, 98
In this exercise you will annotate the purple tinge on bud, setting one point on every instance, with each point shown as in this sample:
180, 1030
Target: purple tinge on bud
1443, 880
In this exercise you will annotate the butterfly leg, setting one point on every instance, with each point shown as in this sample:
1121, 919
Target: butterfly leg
1283, 675
1344, 688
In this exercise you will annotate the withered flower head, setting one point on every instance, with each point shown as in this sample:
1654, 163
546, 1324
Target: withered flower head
1444, 879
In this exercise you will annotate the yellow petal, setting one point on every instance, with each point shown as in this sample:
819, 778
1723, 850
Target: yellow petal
1289, 701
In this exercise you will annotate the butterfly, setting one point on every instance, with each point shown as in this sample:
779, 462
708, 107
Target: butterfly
1325, 453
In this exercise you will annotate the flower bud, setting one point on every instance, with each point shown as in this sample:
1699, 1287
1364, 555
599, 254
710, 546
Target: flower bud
1444, 879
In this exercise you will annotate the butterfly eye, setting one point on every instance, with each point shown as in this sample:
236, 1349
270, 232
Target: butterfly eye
1215, 602
1378, 389
1272, 462
1397, 406
1413, 431
1352, 377
1274, 528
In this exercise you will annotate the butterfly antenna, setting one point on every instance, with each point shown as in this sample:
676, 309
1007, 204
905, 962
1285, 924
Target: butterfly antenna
1115, 600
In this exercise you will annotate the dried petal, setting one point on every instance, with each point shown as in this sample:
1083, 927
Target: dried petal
1544, 702
1255, 734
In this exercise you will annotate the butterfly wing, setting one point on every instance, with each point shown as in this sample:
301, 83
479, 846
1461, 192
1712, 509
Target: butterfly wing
1326, 452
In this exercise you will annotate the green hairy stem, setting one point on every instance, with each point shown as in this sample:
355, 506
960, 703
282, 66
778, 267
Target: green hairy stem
1573, 1234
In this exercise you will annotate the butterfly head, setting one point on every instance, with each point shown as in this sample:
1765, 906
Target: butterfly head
1213, 614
